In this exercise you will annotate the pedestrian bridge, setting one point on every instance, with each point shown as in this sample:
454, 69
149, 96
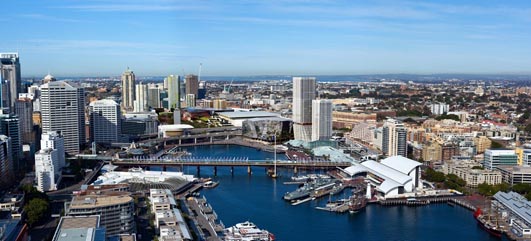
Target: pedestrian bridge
230, 162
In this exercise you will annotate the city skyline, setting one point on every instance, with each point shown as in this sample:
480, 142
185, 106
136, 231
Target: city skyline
102, 38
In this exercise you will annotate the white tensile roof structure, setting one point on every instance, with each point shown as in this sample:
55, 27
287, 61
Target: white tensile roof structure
396, 172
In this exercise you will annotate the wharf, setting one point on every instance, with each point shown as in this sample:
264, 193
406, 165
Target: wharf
340, 208
468, 202
301, 201
294, 183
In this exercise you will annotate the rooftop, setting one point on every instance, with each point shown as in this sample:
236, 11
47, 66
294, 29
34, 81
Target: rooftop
92, 201
248, 114
517, 203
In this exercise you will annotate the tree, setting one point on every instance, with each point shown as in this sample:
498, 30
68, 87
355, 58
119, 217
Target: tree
36, 210
522, 188
528, 128
495, 145
450, 116
434, 176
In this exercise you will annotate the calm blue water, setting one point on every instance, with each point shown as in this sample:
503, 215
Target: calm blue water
258, 198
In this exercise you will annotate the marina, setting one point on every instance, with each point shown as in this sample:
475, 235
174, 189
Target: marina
401, 222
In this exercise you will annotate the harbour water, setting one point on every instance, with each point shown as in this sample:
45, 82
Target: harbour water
258, 198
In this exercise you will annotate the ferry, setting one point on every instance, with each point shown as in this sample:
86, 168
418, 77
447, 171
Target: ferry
485, 223
246, 231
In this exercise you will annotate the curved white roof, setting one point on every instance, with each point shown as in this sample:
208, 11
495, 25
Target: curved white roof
355, 169
386, 172
401, 164
388, 186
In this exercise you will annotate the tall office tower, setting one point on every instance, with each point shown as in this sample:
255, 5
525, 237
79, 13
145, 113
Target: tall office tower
10, 72
321, 120
174, 89
46, 173
190, 100
55, 141
141, 98
105, 121
394, 141
24, 111
128, 90
7, 171
153, 98
10, 126
303, 94
192, 84
63, 110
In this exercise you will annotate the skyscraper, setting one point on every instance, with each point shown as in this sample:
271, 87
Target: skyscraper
128, 90
303, 94
192, 84
63, 110
394, 141
24, 111
10, 72
153, 97
174, 89
6, 162
9, 126
321, 120
105, 121
141, 98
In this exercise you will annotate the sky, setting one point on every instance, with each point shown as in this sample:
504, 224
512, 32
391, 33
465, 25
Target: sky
267, 37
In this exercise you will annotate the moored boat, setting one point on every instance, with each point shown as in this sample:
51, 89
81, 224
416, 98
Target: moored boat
485, 223
357, 203
247, 231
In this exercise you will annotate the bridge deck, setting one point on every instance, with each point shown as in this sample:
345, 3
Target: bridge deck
258, 163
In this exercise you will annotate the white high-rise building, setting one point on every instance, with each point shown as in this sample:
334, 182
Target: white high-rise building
439, 108
45, 171
394, 138
174, 89
63, 110
303, 94
128, 90
321, 120
55, 141
141, 98
105, 121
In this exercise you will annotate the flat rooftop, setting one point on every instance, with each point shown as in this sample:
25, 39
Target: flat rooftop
91, 201
248, 114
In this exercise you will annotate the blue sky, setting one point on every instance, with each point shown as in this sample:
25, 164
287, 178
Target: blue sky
255, 37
